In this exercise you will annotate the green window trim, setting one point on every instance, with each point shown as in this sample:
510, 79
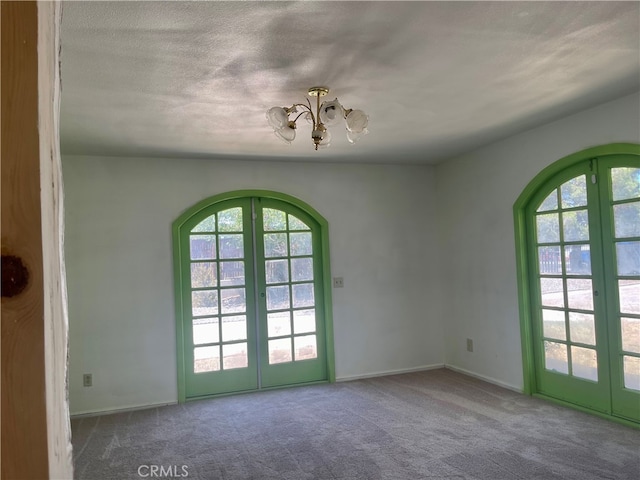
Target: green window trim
521, 239
178, 278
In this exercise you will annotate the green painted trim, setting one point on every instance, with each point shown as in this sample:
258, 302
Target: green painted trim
520, 231
326, 272
177, 283
606, 416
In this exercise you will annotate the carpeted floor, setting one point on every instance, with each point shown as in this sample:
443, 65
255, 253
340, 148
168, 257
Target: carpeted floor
429, 425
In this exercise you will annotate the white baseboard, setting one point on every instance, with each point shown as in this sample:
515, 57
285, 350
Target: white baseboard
347, 378
132, 408
500, 383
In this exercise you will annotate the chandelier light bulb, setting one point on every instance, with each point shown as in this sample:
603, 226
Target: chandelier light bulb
283, 119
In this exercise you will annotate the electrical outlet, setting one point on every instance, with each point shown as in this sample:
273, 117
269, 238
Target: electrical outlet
338, 282
87, 380
469, 345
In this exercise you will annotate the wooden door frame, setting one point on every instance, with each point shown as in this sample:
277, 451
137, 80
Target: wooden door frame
35, 416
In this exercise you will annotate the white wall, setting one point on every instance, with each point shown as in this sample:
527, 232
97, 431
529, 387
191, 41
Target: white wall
120, 275
476, 193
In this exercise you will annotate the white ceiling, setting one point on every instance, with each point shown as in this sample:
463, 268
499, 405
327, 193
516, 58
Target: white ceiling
194, 79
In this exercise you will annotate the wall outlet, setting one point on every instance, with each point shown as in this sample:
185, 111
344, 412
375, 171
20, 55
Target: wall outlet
87, 380
338, 282
469, 345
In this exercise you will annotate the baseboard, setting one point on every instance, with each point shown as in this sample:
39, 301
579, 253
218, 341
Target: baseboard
494, 381
348, 378
132, 408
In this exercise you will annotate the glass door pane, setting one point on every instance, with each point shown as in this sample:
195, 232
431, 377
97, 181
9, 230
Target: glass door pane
289, 264
622, 222
568, 344
220, 351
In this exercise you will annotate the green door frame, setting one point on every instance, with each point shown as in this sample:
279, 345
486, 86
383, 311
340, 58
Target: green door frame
522, 261
178, 278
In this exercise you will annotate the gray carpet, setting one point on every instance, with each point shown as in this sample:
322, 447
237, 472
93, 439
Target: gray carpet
429, 425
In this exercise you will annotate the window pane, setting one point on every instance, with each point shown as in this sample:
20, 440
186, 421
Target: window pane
234, 328
629, 291
303, 295
305, 347
632, 372
275, 245
584, 363
301, 243
630, 328
574, 192
297, 224
230, 220
627, 220
301, 269
278, 298
581, 328
231, 273
280, 351
202, 247
233, 300
575, 226
548, 228
628, 258
203, 274
205, 330
549, 203
278, 324
577, 259
555, 357
234, 356
625, 182
277, 271
579, 293
231, 246
273, 219
549, 260
206, 359
204, 302
552, 292
553, 324
304, 321
206, 225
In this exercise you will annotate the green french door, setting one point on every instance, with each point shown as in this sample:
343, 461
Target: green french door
251, 291
584, 248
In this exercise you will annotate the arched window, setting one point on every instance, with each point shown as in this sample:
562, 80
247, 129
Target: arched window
252, 295
578, 244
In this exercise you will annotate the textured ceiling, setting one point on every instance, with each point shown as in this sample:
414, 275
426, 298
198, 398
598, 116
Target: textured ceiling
194, 79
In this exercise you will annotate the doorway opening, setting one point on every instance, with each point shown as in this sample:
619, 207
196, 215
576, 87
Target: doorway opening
578, 247
253, 303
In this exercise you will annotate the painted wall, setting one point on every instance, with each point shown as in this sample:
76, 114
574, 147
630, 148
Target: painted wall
476, 193
120, 274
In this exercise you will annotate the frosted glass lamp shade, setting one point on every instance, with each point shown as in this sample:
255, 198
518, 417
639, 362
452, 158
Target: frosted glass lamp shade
326, 139
286, 133
331, 113
357, 121
277, 117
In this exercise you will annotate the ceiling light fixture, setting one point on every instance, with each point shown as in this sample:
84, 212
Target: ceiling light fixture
326, 114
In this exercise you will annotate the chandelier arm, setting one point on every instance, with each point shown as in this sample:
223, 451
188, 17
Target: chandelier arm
300, 114
305, 107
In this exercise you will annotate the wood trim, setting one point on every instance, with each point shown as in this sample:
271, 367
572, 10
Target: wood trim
24, 422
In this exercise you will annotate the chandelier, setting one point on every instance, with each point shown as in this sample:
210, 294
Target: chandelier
327, 114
